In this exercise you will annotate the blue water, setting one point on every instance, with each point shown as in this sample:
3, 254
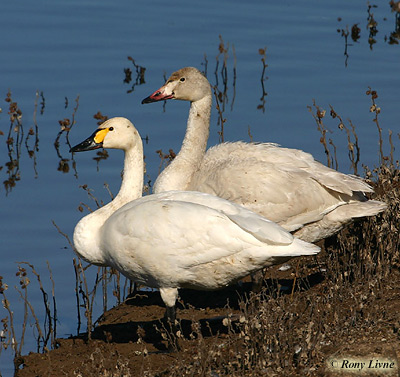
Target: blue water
69, 48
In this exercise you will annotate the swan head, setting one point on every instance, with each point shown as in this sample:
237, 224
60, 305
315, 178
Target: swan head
116, 133
187, 84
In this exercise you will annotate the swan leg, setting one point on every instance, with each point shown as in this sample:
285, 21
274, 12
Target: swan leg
170, 314
172, 329
257, 279
169, 296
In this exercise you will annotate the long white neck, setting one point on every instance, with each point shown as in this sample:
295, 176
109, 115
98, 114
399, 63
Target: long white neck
87, 232
132, 180
178, 174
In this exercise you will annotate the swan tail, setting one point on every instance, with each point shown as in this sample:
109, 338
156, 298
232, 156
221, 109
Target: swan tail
356, 210
304, 248
334, 221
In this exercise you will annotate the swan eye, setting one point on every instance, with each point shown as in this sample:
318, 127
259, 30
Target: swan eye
111, 129
182, 79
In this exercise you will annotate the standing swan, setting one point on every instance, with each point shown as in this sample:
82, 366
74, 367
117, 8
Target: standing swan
175, 239
286, 185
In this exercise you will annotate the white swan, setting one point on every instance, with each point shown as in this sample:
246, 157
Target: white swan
175, 239
286, 185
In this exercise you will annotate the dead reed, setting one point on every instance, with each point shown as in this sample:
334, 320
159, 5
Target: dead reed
371, 25
221, 87
140, 75
45, 324
17, 138
66, 125
263, 53
89, 281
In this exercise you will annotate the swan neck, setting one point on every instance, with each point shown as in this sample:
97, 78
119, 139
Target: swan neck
87, 234
178, 174
198, 129
132, 180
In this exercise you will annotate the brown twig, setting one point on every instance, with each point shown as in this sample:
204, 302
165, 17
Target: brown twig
320, 114
376, 110
6, 305
48, 316
54, 332
221, 119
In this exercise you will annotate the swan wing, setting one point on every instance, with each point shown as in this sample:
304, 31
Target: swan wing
187, 233
259, 226
285, 185
166, 238
288, 159
282, 195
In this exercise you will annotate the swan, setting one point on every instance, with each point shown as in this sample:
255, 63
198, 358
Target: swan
288, 186
175, 239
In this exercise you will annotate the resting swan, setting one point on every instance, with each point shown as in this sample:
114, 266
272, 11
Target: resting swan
175, 239
286, 185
